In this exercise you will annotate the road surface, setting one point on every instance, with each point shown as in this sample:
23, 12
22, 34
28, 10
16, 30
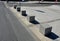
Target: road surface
7, 24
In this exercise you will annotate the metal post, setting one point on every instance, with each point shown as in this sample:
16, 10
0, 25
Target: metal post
23, 0
56, 0
42, 0
7, 1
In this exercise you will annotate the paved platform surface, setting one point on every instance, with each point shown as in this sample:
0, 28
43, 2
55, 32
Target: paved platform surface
55, 35
31, 27
49, 15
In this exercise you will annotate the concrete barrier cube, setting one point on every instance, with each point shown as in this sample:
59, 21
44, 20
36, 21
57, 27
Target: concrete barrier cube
45, 29
23, 12
15, 6
31, 18
18, 8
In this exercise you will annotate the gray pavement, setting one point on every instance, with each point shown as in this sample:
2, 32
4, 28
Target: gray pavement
28, 4
32, 4
10, 28
6, 31
49, 12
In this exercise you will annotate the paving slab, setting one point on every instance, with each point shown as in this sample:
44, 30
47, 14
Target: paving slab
54, 23
32, 28
41, 14
49, 16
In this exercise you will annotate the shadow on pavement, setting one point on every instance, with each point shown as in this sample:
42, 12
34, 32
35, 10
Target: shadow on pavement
35, 22
40, 11
52, 36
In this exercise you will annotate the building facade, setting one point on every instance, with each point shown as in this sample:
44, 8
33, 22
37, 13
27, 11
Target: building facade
32, 0
39, 0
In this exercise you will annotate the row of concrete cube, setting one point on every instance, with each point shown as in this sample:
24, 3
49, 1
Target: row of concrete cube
45, 29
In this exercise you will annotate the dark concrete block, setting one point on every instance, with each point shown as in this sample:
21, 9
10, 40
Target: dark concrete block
31, 18
24, 13
15, 6
45, 29
18, 9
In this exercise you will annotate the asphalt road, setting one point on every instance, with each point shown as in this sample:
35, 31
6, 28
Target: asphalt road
10, 28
